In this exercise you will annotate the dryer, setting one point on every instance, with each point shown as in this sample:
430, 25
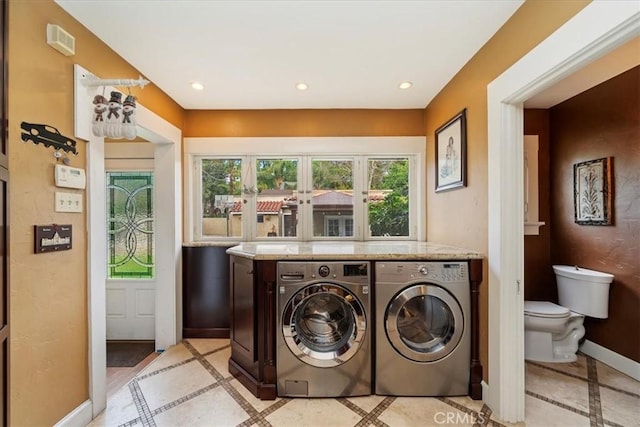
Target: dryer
323, 329
423, 339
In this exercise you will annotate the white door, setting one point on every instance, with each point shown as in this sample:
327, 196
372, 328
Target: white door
130, 287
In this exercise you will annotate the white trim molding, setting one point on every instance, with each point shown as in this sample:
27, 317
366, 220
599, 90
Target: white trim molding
608, 357
79, 417
596, 30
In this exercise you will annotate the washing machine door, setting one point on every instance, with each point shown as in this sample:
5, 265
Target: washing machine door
324, 324
424, 322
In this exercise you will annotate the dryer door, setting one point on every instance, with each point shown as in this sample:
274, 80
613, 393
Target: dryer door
424, 322
324, 324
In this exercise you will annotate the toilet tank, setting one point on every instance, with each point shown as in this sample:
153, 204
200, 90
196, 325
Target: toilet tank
583, 291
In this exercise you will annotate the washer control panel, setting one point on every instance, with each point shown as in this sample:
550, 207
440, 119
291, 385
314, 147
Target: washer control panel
445, 272
354, 272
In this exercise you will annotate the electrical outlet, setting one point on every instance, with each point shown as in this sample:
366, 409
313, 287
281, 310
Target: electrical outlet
68, 202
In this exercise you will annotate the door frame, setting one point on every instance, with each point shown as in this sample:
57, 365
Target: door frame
596, 30
167, 193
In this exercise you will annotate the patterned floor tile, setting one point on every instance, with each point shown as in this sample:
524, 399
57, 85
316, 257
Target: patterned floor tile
213, 408
207, 345
189, 385
308, 412
175, 383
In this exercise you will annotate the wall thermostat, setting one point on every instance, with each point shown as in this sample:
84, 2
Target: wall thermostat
69, 177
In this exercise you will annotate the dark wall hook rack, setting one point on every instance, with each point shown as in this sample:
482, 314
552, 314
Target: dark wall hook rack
48, 136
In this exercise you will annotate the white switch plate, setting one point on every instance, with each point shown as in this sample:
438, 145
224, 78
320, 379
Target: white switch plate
68, 202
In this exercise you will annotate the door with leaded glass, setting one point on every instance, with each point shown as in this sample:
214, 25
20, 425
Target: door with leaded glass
130, 291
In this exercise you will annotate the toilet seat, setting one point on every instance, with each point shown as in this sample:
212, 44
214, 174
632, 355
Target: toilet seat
545, 309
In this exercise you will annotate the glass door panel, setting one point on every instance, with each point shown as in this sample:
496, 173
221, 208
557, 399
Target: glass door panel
388, 197
277, 198
222, 203
332, 198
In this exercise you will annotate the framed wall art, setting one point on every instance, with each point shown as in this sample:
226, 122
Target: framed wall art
451, 153
593, 191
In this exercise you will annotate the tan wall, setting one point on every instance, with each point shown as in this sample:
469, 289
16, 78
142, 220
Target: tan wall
48, 292
48, 295
460, 217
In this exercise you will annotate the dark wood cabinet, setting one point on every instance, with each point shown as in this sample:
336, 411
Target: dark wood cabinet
243, 334
252, 362
205, 292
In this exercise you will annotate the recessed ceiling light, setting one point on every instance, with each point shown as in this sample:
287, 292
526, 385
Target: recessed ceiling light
197, 86
302, 86
405, 85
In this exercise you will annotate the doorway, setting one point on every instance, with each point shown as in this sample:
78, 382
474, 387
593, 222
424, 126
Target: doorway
130, 283
166, 140
598, 29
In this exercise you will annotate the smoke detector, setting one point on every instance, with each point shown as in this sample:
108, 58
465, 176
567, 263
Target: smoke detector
60, 40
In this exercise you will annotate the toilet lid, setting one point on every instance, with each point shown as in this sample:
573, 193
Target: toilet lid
545, 309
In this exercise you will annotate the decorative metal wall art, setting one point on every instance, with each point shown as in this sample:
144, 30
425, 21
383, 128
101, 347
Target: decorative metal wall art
593, 191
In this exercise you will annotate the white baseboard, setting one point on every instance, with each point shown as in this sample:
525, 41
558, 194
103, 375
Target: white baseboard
615, 360
79, 417
485, 390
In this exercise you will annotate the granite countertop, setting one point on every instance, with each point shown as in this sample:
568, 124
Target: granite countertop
210, 243
350, 250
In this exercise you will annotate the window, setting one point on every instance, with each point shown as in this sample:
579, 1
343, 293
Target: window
276, 197
388, 194
130, 225
221, 197
307, 196
332, 197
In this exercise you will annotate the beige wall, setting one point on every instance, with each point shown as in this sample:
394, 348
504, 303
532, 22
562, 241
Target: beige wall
459, 217
48, 294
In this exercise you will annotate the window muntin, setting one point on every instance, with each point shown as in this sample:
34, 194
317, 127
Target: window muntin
222, 203
130, 231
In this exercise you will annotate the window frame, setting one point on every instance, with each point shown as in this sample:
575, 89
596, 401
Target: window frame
359, 149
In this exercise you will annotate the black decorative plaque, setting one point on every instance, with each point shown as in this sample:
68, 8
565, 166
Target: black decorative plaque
51, 238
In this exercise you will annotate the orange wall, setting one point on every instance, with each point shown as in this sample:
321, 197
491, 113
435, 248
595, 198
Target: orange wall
460, 217
265, 123
48, 294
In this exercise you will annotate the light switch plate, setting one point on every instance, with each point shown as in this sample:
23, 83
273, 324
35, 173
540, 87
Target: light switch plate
68, 202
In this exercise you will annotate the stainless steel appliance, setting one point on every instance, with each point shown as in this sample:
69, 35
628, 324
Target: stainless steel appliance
324, 332
423, 340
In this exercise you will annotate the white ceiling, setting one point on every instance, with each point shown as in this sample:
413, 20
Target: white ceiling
251, 54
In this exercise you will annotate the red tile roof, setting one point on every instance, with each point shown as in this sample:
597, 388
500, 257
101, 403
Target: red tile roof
263, 207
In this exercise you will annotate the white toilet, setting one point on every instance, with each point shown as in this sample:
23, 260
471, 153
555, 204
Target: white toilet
551, 331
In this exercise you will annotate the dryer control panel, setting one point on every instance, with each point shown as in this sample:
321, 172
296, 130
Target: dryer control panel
444, 272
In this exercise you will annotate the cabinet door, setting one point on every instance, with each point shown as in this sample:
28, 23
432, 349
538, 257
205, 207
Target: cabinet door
243, 331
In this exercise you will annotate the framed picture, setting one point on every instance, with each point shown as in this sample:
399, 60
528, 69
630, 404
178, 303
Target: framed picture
593, 191
451, 153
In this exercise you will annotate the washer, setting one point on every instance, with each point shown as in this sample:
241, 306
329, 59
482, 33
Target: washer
423, 339
323, 332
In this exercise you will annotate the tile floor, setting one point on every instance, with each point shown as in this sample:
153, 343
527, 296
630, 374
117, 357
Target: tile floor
189, 385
